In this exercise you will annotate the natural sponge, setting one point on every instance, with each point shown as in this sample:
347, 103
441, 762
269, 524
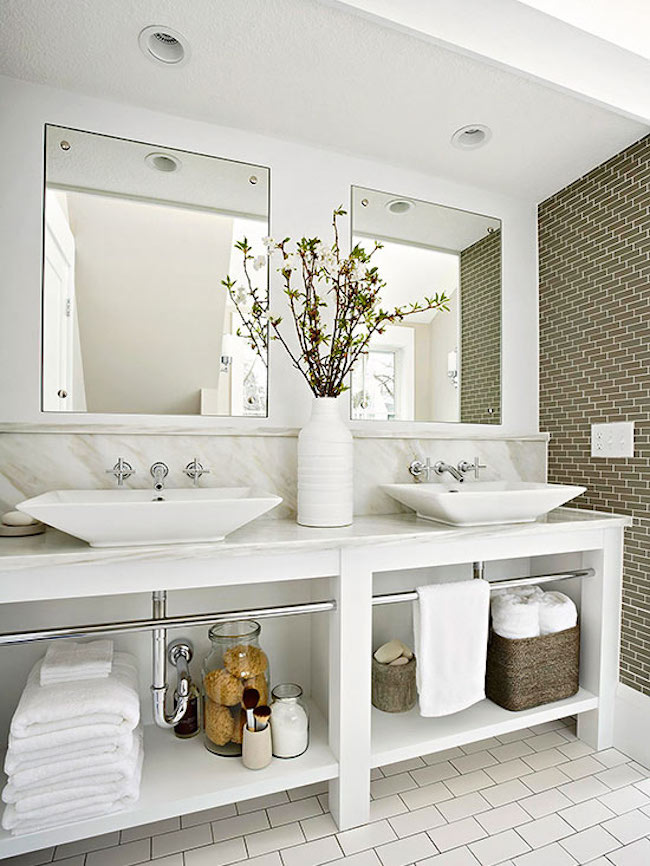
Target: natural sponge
219, 723
223, 688
245, 661
259, 683
238, 729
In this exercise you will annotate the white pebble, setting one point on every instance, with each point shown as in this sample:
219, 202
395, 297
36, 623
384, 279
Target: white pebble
17, 518
402, 660
388, 652
406, 651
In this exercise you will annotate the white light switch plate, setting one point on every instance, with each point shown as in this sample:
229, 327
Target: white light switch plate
612, 440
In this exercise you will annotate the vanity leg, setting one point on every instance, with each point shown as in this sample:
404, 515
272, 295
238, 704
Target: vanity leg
600, 642
349, 690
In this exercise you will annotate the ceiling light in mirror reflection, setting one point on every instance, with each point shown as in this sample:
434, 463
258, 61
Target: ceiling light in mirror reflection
434, 366
135, 317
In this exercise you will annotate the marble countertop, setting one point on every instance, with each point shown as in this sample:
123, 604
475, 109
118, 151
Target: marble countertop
266, 535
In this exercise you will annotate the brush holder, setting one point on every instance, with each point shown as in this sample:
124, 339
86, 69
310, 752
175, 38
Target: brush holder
256, 748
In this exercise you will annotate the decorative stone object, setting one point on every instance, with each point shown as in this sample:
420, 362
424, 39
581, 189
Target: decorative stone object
17, 518
390, 651
14, 524
402, 660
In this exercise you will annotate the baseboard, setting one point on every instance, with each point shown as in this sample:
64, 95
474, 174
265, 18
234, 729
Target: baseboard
632, 723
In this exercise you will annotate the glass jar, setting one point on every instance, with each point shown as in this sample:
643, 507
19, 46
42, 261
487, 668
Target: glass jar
236, 661
289, 721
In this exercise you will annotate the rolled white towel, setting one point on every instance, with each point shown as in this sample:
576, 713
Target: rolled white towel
109, 767
557, 612
67, 660
66, 712
515, 612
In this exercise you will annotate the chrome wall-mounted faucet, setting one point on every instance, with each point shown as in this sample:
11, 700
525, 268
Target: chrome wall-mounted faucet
121, 470
418, 470
159, 471
194, 470
465, 466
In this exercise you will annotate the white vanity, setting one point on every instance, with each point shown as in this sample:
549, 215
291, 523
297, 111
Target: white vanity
279, 563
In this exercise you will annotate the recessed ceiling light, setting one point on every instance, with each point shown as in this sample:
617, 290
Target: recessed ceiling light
472, 136
162, 162
400, 205
164, 45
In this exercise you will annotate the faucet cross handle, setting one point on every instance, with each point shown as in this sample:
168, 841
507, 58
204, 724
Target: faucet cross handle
417, 469
121, 470
465, 466
195, 470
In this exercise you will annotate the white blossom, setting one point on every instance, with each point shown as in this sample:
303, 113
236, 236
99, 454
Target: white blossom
259, 262
269, 243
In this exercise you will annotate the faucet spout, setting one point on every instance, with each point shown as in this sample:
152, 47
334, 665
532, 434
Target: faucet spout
159, 471
440, 468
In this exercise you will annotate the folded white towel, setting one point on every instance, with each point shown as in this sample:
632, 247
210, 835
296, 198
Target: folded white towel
67, 660
450, 624
556, 613
78, 807
109, 747
515, 612
91, 788
66, 712
103, 768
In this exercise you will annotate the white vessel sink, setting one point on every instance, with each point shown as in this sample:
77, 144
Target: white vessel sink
479, 503
119, 518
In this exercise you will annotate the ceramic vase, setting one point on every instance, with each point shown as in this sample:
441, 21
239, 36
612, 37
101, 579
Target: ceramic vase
325, 464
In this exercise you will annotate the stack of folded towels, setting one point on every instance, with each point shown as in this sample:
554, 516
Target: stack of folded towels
75, 743
530, 612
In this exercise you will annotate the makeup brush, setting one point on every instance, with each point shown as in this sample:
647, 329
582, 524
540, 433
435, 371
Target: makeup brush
250, 700
262, 715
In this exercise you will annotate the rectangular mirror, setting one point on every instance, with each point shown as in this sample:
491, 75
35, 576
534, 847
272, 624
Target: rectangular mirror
137, 239
431, 366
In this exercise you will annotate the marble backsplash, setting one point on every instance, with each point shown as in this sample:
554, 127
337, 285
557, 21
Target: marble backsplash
33, 462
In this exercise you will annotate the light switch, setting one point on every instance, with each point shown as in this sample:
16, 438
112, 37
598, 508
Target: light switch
612, 440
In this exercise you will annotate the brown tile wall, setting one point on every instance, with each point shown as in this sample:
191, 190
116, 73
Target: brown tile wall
594, 248
480, 294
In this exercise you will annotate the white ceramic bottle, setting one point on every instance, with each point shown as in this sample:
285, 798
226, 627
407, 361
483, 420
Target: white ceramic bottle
325, 466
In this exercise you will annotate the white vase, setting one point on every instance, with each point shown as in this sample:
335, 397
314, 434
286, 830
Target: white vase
325, 462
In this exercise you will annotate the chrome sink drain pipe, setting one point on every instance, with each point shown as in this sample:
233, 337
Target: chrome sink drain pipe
180, 655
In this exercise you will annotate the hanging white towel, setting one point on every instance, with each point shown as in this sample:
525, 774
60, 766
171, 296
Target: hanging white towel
450, 625
67, 660
556, 613
66, 712
515, 612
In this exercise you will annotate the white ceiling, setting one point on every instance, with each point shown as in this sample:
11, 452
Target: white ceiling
306, 70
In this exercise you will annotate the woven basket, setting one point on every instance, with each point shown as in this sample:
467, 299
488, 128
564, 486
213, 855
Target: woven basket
531, 671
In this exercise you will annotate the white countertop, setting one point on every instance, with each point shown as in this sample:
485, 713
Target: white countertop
267, 535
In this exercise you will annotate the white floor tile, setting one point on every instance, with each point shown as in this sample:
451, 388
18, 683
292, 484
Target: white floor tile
170, 860
217, 855
321, 825
514, 769
578, 769
545, 727
274, 840
506, 792
256, 803
611, 757
479, 745
637, 854
312, 790
546, 741
545, 803
553, 855
463, 807
363, 858
33, 858
427, 796
406, 851
475, 761
586, 814
393, 785
543, 831
457, 834
584, 789
375, 773
386, 807
228, 828
625, 799
503, 818
290, 812
628, 827
121, 855
458, 857
620, 776
589, 844
312, 853
574, 750
497, 848
545, 779
181, 840
421, 820
444, 755
144, 831
204, 817
644, 784
368, 836
72, 849
435, 773
513, 736
510, 751
469, 782
402, 766
272, 859
545, 759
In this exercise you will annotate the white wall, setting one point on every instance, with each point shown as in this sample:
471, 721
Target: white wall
306, 183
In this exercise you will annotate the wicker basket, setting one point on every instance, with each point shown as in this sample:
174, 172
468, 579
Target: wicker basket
531, 671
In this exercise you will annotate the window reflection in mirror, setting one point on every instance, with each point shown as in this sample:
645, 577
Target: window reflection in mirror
137, 239
435, 365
